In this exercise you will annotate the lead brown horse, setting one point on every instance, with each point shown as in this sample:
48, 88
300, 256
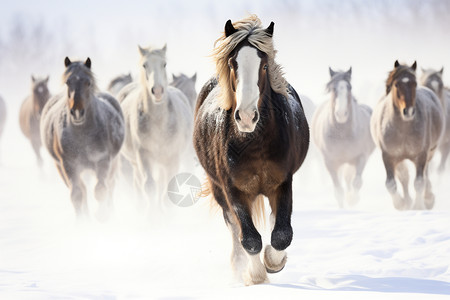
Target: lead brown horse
251, 136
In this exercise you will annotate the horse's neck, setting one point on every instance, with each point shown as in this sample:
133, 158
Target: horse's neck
148, 105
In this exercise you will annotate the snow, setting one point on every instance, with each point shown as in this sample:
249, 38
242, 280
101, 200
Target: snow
369, 251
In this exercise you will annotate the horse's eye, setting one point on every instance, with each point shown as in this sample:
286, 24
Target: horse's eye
265, 67
165, 64
145, 66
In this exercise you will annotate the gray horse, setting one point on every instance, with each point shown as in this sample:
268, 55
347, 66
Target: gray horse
407, 123
30, 113
341, 132
158, 121
83, 130
432, 79
118, 83
187, 86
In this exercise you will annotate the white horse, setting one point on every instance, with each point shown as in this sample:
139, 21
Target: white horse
341, 131
158, 121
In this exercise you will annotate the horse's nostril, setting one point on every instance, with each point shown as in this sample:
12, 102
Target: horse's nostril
237, 116
255, 117
153, 91
72, 112
405, 111
81, 112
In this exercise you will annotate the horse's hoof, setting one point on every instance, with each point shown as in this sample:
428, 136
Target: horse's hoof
252, 245
281, 238
274, 260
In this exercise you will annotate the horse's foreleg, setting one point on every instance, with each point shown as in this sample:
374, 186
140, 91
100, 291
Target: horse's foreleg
36, 144
403, 176
103, 188
420, 181
250, 238
338, 191
445, 150
390, 164
281, 204
239, 258
77, 190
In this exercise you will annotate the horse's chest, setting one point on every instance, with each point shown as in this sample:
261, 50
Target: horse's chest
260, 176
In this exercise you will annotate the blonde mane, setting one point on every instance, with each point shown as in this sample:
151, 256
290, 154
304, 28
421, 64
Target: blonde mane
250, 29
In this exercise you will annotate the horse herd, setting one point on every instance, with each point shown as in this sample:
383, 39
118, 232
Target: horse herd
247, 128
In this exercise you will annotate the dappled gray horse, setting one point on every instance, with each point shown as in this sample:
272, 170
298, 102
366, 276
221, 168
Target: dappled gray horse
30, 113
432, 79
187, 86
83, 130
341, 131
407, 123
158, 121
118, 83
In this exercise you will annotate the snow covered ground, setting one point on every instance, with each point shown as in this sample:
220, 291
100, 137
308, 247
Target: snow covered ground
370, 251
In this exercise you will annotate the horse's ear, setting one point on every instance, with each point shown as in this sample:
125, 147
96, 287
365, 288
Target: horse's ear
331, 71
229, 28
349, 72
414, 65
442, 70
269, 30
396, 64
142, 51
67, 62
33, 79
164, 49
46, 79
88, 63
194, 77
174, 77
422, 69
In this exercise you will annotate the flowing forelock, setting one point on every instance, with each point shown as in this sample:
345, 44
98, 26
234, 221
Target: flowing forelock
247, 29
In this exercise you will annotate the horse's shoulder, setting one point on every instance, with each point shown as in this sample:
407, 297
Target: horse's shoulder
111, 100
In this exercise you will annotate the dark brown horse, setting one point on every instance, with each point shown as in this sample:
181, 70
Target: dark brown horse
251, 136
30, 113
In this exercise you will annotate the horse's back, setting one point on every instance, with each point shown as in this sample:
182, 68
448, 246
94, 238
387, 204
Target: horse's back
204, 92
127, 90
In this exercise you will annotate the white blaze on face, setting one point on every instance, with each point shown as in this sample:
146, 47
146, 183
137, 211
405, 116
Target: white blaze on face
341, 109
247, 90
156, 77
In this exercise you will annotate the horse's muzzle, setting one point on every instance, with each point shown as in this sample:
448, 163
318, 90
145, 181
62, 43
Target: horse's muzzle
246, 120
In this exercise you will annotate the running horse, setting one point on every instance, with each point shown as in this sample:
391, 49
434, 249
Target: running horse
251, 136
407, 124
84, 130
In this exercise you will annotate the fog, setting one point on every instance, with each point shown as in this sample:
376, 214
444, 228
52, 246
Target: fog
360, 251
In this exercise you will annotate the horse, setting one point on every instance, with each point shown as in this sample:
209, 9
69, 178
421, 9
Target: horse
407, 124
432, 79
251, 136
341, 132
187, 86
83, 129
117, 83
2, 115
158, 122
30, 113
